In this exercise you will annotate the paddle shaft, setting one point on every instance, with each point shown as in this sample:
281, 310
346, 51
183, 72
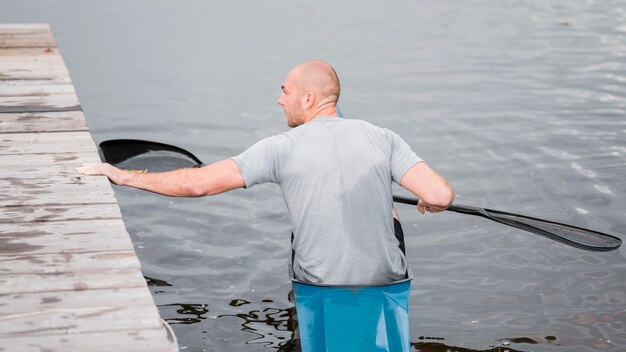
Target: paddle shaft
463, 209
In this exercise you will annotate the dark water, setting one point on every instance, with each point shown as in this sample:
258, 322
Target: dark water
520, 104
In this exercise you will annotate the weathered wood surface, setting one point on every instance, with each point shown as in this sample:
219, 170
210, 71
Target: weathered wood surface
69, 277
15, 191
39, 103
52, 213
122, 303
26, 36
108, 278
32, 65
42, 122
59, 263
18, 88
140, 341
46, 143
44, 173
76, 310
64, 237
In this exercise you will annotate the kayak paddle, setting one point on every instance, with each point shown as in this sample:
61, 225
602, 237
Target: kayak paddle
571, 235
141, 155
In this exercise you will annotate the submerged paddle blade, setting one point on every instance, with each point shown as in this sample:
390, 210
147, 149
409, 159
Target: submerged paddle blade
571, 235
138, 155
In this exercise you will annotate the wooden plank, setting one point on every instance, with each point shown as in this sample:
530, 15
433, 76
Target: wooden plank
42, 179
46, 143
44, 166
76, 281
53, 213
64, 237
18, 55
34, 64
48, 60
56, 263
40, 103
50, 181
24, 27
34, 59
131, 340
63, 162
85, 320
19, 303
42, 122
21, 36
53, 100
71, 320
48, 63
58, 75
55, 194
33, 87
84, 311
25, 40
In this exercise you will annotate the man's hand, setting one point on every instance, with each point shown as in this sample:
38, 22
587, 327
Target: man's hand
424, 207
96, 169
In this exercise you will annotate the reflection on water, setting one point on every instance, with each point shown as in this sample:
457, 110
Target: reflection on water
276, 328
152, 282
268, 328
186, 313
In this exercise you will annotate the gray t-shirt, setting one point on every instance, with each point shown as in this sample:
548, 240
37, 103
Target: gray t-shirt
335, 175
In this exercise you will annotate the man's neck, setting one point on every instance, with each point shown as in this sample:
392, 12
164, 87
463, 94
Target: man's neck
323, 110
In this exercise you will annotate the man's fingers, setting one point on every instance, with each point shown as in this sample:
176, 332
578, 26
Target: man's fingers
421, 207
424, 207
91, 169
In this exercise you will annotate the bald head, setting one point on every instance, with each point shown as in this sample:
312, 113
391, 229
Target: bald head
318, 77
311, 89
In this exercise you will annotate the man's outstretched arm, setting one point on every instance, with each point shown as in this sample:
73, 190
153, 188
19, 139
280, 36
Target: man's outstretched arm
208, 180
433, 191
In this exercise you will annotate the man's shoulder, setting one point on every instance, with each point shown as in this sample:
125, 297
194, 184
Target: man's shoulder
364, 123
370, 128
353, 125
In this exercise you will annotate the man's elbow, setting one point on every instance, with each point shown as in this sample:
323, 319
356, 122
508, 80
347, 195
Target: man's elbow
209, 188
442, 197
449, 197
216, 178
197, 190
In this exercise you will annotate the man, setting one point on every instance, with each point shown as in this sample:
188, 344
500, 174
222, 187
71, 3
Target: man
335, 175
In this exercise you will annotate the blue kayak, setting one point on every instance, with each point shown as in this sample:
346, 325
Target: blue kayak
353, 318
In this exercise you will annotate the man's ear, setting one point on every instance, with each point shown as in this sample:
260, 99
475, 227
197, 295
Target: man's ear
308, 100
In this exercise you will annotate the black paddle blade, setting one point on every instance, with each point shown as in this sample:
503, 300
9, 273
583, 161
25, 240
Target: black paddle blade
571, 235
138, 155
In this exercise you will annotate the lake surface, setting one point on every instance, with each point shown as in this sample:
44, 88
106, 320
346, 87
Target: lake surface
520, 104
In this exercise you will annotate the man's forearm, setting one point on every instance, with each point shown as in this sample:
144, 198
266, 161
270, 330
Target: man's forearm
192, 182
177, 183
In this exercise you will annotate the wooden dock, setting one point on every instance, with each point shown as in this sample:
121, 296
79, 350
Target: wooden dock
69, 276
